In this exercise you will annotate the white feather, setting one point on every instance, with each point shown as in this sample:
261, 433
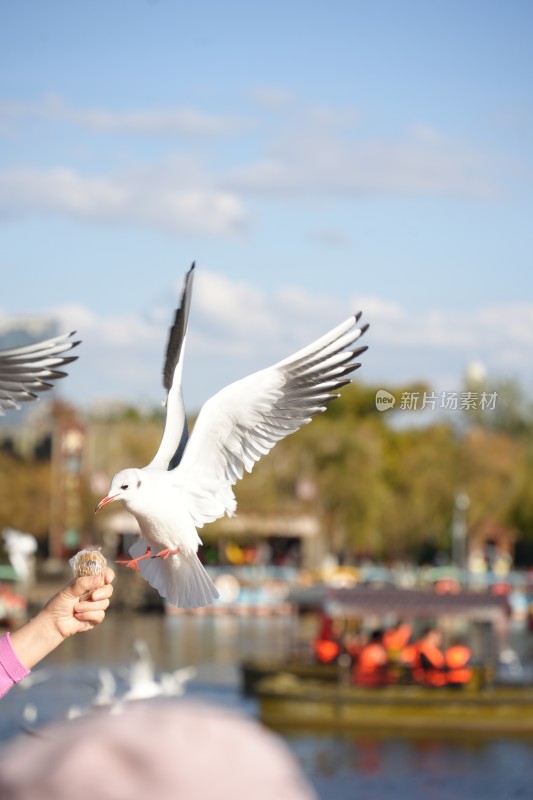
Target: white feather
27, 370
235, 428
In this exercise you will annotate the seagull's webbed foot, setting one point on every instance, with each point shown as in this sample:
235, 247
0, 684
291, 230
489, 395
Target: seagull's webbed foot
168, 551
133, 563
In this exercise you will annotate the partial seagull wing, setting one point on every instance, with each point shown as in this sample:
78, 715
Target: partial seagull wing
27, 370
176, 432
244, 421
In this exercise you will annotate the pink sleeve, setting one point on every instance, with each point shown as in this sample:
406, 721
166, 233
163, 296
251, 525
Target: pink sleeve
11, 670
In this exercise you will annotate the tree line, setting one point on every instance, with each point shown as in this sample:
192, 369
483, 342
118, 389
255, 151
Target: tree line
381, 482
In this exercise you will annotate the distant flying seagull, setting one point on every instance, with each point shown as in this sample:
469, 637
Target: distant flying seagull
27, 370
189, 482
143, 681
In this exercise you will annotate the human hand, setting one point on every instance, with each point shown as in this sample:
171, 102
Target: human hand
81, 605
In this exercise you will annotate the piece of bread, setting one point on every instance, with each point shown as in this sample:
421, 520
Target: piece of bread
88, 562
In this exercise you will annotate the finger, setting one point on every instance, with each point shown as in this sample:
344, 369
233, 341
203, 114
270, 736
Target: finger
83, 585
109, 575
90, 617
102, 593
91, 605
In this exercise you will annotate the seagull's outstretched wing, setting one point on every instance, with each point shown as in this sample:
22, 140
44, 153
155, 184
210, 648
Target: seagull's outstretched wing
176, 433
244, 421
26, 370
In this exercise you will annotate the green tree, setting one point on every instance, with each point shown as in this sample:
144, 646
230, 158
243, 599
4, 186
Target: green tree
24, 494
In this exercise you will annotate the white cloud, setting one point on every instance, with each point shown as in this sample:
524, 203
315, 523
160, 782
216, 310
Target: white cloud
329, 117
491, 328
377, 308
318, 151
272, 98
320, 160
237, 329
175, 196
427, 133
295, 302
235, 308
178, 121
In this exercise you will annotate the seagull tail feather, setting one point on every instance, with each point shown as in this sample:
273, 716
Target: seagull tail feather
181, 580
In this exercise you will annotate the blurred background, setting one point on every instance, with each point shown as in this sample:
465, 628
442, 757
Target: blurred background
313, 159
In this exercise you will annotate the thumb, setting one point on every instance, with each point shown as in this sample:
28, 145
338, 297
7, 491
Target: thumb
83, 586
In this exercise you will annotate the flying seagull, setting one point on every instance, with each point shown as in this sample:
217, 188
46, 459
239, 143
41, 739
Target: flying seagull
27, 370
189, 481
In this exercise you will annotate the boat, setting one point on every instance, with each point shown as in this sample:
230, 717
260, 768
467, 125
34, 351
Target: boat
254, 671
310, 695
287, 702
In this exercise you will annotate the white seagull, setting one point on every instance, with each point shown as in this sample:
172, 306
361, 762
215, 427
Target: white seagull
189, 481
143, 680
26, 370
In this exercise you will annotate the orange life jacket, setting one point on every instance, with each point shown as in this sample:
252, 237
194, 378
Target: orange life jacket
409, 655
395, 639
430, 665
457, 658
326, 650
371, 665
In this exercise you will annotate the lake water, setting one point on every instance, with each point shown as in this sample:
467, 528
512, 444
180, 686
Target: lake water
362, 767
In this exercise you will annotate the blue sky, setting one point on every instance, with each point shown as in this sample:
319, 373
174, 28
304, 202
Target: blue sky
311, 157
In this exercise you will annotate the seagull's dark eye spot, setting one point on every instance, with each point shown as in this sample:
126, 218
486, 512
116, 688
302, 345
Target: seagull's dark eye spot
124, 486
139, 483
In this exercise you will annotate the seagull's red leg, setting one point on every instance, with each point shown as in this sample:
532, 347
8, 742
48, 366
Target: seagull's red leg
134, 562
166, 553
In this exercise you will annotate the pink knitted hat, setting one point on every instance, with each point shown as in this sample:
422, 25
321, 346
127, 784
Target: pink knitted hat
176, 750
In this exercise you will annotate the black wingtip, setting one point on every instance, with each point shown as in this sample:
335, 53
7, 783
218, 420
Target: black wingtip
68, 344
57, 374
358, 315
68, 360
364, 328
178, 330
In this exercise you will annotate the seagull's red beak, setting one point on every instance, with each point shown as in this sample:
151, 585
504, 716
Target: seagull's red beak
105, 500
